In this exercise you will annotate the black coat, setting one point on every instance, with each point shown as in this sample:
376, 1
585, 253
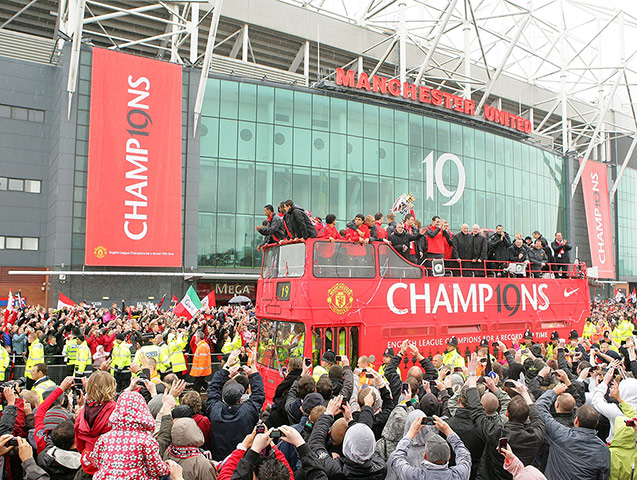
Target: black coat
299, 224
537, 256
462, 424
278, 416
560, 252
479, 247
515, 251
498, 247
463, 246
275, 231
400, 240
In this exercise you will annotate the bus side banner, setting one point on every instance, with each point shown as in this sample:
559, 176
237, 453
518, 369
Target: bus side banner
133, 211
596, 201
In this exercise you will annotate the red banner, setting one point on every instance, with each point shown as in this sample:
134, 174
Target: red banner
133, 215
595, 186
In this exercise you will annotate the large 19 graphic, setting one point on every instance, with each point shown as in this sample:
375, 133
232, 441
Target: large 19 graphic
434, 176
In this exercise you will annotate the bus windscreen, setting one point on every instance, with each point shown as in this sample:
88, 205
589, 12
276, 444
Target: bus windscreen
284, 261
278, 341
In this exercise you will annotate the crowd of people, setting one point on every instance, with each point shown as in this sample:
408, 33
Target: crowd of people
141, 402
470, 252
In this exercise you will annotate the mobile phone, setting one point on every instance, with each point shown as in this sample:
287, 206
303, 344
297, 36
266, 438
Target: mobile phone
509, 383
405, 388
525, 351
308, 362
427, 421
343, 404
275, 434
369, 375
338, 358
483, 360
260, 428
12, 442
631, 422
502, 443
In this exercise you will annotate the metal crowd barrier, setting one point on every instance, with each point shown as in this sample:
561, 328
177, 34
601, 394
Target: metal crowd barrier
58, 372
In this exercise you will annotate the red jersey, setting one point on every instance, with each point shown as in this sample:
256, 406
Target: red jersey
353, 235
380, 231
330, 231
448, 248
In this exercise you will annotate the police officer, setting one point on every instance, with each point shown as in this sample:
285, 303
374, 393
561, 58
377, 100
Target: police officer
4, 362
589, 329
176, 345
552, 347
120, 362
84, 357
451, 356
36, 355
39, 373
70, 351
161, 358
327, 360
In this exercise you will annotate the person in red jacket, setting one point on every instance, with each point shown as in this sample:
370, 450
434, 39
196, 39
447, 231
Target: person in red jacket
358, 231
92, 419
381, 233
330, 231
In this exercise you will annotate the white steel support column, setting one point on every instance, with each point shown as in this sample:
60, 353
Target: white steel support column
77, 19
432, 48
174, 28
563, 77
359, 65
505, 58
402, 42
466, 30
246, 44
203, 80
193, 28
602, 115
306, 63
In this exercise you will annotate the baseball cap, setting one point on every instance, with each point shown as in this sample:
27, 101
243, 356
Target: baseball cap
232, 392
329, 356
388, 353
310, 401
437, 450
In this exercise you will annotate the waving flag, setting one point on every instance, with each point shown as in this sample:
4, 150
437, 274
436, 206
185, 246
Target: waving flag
209, 300
64, 301
189, 305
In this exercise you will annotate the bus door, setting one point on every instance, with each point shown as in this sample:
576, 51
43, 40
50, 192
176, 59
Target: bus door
343, 340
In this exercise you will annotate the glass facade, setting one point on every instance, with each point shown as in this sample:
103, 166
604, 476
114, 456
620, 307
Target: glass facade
262, 144
627, 231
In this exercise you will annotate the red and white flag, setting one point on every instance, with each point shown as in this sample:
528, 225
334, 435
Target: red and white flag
209, 300
64, 301
189, 305
10, 313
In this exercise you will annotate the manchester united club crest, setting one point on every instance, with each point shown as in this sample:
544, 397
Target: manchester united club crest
340, 298
100, 252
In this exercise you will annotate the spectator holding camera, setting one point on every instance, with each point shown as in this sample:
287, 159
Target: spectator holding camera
436, 454
230, 418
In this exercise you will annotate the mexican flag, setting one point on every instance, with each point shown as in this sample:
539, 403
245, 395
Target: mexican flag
209, 300
189, 305
64, 301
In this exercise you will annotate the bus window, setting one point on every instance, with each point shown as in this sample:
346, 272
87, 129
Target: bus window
316, 349
329, 343
392, 265
292, 260
353, 345
343, 260
278, 341
341, 348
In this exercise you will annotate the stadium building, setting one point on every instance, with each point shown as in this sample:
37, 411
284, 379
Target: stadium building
118, 184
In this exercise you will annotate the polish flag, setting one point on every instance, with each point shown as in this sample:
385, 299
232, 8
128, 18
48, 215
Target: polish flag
209, 300
64, 301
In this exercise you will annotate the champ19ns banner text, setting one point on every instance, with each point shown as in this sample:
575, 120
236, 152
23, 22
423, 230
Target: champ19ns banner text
133, 215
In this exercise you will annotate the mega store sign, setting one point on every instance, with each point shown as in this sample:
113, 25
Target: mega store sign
432, 96
224, 291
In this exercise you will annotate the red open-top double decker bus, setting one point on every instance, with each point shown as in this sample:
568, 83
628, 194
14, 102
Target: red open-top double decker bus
356, 299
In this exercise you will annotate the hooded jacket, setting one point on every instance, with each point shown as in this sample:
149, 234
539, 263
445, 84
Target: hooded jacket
184, 450
90, 423
359, 459
628, 393
623, 451
128, 451
59, 464
393, 431
299, 224
416, 450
